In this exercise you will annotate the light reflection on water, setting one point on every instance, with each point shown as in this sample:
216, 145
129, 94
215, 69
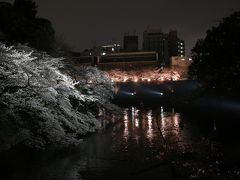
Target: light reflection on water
150, 126
144, 124
130, 145
126, 120
137, 141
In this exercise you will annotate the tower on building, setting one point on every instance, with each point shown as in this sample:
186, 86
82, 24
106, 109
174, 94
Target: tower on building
130, 43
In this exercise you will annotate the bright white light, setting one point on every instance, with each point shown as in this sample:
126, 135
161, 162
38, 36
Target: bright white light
113, 49
190, 59
104, 53
134, 93
137, 122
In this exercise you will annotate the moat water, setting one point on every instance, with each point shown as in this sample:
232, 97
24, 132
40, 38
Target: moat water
135, 146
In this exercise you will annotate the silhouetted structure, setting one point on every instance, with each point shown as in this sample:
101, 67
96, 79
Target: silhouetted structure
125, 60
19, 24
128, 60
130, 43
108, 49
167, 45
176, 47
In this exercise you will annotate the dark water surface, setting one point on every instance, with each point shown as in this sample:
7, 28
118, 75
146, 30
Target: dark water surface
131, 148
134, 147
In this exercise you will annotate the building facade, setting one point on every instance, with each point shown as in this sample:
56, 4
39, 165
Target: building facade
154, 40
165, 44
128, 60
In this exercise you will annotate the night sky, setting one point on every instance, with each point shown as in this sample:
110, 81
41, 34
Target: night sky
82, 23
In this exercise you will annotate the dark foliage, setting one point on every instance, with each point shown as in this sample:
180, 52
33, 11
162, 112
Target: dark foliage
19, 24
25, 8
216, 59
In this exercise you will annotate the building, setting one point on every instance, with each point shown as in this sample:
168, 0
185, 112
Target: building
122, 60
154, 40
108, 49
176, 47
130, 43
128, 60
165, 44
101, 50
181, 48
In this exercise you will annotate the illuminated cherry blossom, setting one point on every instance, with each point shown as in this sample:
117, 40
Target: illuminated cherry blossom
144, 75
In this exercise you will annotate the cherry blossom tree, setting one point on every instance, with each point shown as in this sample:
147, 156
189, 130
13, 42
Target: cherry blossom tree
41, 104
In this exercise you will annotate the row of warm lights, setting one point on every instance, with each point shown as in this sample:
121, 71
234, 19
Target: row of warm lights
130, 79
147, 75
125, 79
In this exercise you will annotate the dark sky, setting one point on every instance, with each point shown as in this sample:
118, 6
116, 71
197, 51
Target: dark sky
83, 22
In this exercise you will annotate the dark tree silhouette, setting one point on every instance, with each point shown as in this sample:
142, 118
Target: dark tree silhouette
43, 36
6, 16
19, 24
216, 59
25, 8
